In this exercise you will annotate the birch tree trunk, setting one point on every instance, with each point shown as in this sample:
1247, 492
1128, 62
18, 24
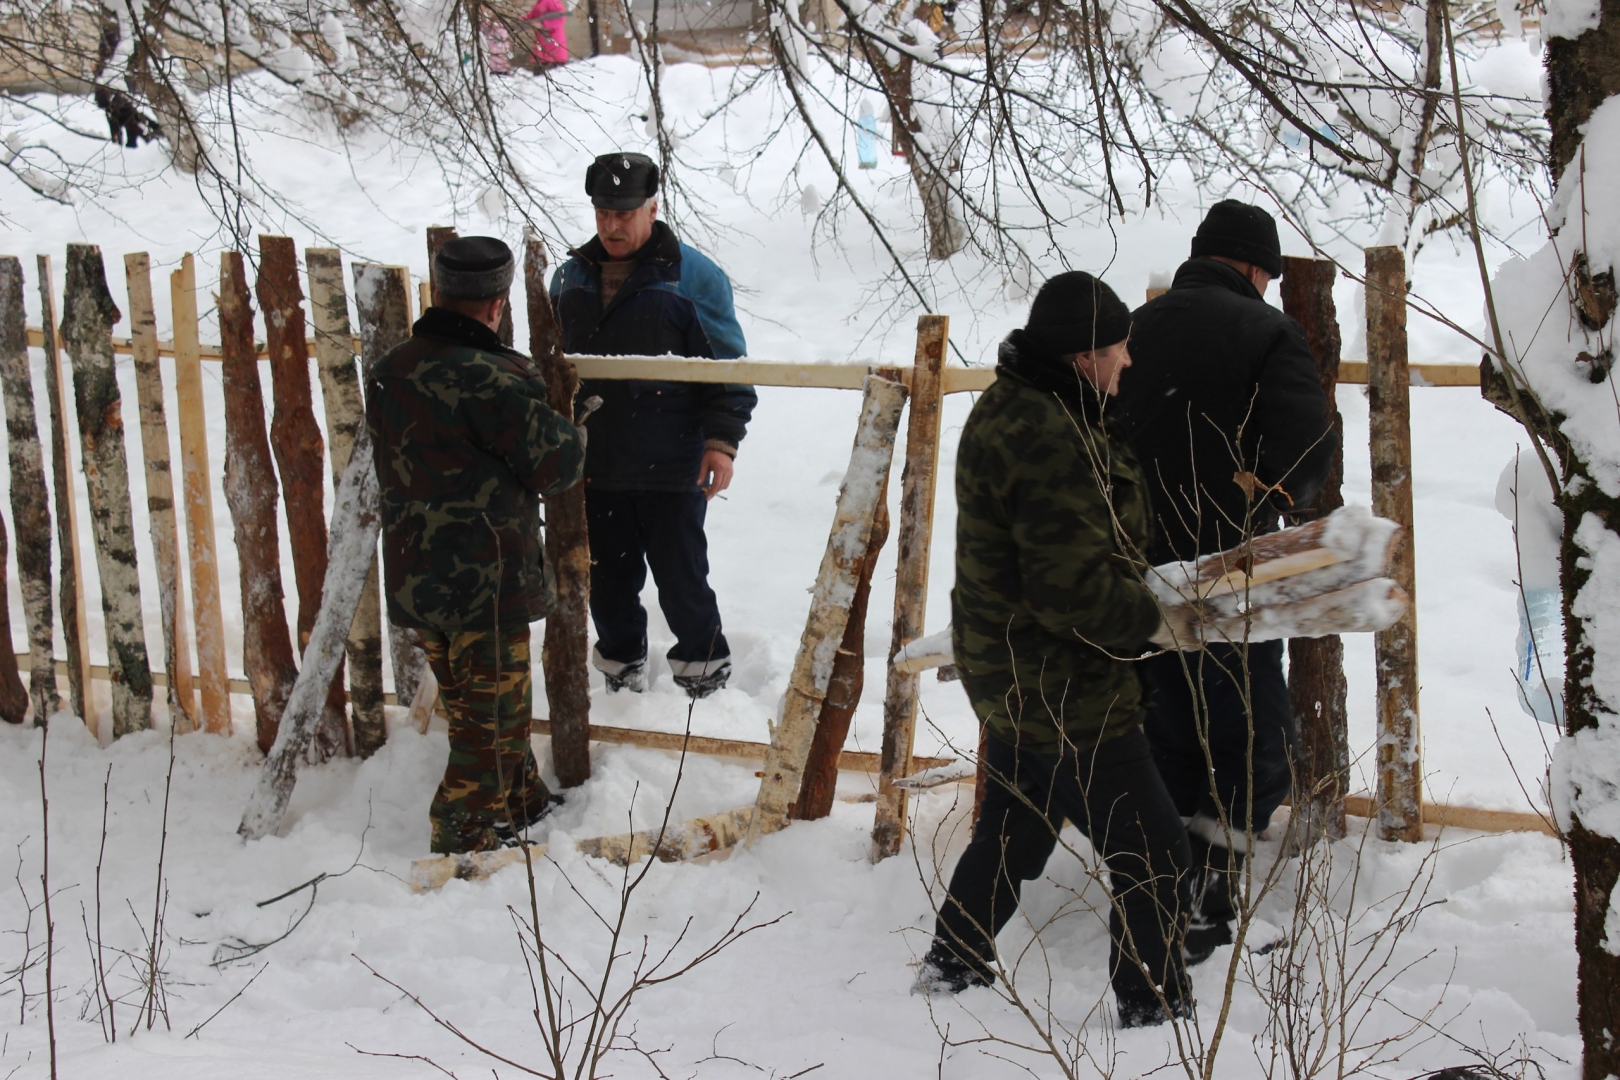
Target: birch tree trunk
300, 453
250, 492
13, 694
30, 501
88, 314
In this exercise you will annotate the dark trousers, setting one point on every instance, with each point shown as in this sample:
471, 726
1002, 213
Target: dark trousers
631, 531
1212, 699
1113, 794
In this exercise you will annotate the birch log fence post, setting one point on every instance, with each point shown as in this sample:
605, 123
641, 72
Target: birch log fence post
1400, 759
13, 694
565, 650
1316, 681
300, 454
830, 601
250, 492
30, 501
75, 630
345, 427
88, 315
213, 678
160, 490
382, 297
911, 578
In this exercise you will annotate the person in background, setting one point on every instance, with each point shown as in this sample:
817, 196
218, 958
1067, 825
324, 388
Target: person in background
550, 19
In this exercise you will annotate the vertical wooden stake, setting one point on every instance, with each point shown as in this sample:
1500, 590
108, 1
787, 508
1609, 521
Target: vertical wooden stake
13, 694
250, 492
88, 315
345, 421
213, 678
75, 630
565, 652
1400, 759
300, 453
30, 500
1316, 665
160, 491
911, 578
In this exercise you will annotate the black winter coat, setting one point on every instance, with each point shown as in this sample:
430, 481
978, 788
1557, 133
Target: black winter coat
1222, 384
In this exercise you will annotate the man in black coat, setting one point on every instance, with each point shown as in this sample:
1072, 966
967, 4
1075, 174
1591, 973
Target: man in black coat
1225, 411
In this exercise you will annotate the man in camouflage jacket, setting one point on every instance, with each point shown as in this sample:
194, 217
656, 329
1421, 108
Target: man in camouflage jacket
466, 446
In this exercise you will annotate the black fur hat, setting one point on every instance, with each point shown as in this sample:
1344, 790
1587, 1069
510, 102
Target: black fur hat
1239, 231
473, 268
1074, 313
621, 181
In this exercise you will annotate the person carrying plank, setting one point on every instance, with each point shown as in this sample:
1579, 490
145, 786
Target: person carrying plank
1048, 609
466, 446
659, 451
1226, 413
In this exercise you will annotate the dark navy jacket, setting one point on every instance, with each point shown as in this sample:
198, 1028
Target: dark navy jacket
650, 436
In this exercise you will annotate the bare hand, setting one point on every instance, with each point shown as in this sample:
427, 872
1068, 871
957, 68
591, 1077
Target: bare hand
714, 473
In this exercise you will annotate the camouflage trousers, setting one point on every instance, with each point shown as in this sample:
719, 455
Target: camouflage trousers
491, 778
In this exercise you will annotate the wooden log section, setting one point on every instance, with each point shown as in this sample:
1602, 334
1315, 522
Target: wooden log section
335, 350
1316, 683
565, 652
88, 315
830, 601
251, 492
30, 500
208, 617
300, 459
13, 694
70, 597
1400, 760
160, 493
911, 577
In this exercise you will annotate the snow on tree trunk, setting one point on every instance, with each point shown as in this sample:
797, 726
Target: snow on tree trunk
160, 490
926, 146
75, 634
917, 485
565, 652
350, 555
830, 602
299, 451
345, 424
30, 503
88, 315
250, 492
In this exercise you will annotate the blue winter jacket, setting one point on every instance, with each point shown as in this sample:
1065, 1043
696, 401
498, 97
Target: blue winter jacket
648, 435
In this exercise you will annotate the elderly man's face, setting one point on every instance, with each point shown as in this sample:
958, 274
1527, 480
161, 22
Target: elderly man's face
624, 232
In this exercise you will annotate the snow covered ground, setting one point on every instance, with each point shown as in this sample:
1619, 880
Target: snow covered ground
828, 983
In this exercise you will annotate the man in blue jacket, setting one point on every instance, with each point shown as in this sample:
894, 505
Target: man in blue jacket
658, 451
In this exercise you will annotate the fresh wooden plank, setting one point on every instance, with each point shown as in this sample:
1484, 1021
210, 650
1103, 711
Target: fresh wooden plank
70, 597
88, 315
30, 500
160, 491
1461, 817
208, 618
917, 486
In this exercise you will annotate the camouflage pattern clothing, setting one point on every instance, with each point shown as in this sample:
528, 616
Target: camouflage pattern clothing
492, 778
1052, 518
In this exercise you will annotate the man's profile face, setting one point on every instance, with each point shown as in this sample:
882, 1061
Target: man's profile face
624, 232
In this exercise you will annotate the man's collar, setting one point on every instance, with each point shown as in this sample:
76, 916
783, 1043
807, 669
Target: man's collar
1201, 273
661, 248
462, 329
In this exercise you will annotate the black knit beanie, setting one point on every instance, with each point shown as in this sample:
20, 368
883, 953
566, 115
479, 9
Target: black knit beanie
1236, 230
1074, 313
473, 268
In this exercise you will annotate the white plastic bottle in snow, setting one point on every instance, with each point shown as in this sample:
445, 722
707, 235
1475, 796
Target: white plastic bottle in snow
1524, 497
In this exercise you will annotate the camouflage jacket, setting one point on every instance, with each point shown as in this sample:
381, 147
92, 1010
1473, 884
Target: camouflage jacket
1051, 519
465, 445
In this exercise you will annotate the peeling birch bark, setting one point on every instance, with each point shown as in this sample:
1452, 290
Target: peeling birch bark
830, 601
678, 842
88, 315
30, 502
250, 492
13, 694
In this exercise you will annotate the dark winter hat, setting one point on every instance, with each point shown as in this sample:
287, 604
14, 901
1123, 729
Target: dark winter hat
1075, 312
1239, 231
620, 181
473, 268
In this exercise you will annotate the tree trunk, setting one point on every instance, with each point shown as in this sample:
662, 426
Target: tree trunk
945, 233
565, 652
13, 694
88, 315
1316, 683
30, 502
299, 457
250, 492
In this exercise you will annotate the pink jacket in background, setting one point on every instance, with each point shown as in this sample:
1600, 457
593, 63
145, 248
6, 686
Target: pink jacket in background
550, 36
